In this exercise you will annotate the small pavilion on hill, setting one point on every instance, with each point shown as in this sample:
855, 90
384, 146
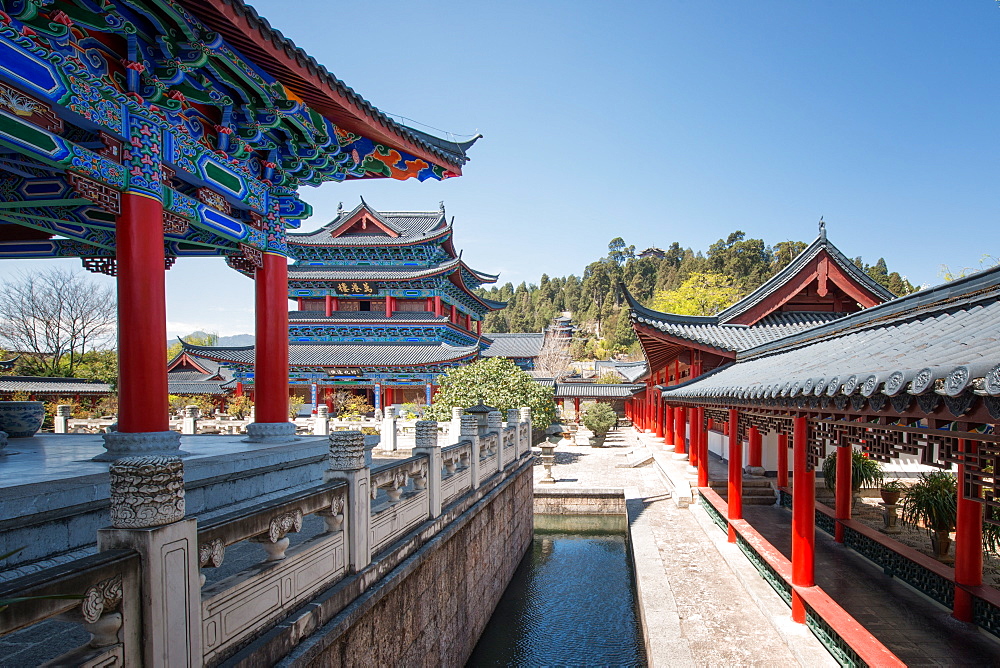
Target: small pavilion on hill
821, 285
384, 305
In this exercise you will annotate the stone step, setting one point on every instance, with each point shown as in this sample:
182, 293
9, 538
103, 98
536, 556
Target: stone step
758, 491
748, 483
755, 500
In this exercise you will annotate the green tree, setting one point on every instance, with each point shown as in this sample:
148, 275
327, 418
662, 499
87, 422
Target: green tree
619, 253
496, 382
704, 293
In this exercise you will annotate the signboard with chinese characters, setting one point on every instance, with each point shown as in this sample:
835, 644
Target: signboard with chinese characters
356, 288
344, 372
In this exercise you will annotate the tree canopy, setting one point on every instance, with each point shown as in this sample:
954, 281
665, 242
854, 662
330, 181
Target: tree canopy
495, 382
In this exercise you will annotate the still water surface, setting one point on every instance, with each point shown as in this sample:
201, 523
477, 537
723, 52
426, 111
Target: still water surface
571, 603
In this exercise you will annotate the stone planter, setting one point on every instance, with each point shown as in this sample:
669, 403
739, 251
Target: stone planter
597, 440
941, 543
890, 496
21, 419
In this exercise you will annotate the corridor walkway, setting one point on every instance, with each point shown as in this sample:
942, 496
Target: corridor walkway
918, 630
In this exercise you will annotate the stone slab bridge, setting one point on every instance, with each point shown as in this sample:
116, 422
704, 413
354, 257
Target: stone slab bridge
417, 550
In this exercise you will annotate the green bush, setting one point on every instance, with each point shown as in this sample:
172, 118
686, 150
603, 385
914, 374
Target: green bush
600, 418
865, 471
496, 382
932, 501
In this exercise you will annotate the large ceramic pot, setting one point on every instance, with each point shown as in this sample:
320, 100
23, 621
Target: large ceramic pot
21, 419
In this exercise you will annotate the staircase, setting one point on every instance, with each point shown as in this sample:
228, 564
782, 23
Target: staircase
756, 491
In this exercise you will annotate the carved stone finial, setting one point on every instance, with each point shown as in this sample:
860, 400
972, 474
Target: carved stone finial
64, 410
322, 410
822, 228
347, 451
457, 412
146, 492
340, 208
494, 420
426, 434
441, 206
470, 426
191, 411
389, 413
512, 416
525, 414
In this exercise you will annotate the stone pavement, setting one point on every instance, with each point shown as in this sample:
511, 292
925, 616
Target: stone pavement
703, 604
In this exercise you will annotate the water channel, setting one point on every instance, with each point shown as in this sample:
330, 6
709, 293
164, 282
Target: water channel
571, 601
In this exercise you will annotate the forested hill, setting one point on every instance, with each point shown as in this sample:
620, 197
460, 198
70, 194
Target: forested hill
681, 281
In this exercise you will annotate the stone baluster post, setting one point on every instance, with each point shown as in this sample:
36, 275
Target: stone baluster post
455, 428
494, 424
513, 417
61, 421
524, 447
470, 432
321, 423
189, 423
347, 463
147, 515
426, 443
389, 440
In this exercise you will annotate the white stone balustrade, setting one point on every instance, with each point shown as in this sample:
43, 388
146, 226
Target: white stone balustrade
147, 603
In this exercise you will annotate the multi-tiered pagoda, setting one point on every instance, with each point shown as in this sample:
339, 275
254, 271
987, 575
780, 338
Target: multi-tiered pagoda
384, 305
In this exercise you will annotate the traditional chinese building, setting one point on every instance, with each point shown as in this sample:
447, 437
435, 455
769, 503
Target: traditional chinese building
385, 305
821, 285
136, 134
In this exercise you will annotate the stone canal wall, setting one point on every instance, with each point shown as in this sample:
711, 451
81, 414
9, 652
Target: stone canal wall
432, 608
570, 501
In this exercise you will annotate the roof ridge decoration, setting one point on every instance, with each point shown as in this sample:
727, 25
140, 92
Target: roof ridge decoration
821, 243
337, 228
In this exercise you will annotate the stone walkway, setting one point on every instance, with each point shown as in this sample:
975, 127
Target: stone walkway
703, 603
915, 628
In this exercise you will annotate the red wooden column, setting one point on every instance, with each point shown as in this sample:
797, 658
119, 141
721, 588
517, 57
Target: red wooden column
142, 316
680, 431
735, 500
661, 408
438, 307
968, 543
782, 460
388, 306
703, 443
271, 358
756, 449
694, 454
845, 478
329, 305
668, 424
576, 409
803, 519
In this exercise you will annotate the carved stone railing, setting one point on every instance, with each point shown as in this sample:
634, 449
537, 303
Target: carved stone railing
400, 500
102, 594
154, 604
456, 476
236, 607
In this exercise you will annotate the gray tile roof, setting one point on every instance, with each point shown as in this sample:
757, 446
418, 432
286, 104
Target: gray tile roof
950, 334
411, 226
596, 390
44, 385
801, 260
708, 331
514, 345
367, 273
199, 387
630, 371
346, 355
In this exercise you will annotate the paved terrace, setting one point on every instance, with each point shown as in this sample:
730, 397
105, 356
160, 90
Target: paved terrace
725, 612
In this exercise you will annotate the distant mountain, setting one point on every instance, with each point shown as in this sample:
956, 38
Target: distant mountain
237, 340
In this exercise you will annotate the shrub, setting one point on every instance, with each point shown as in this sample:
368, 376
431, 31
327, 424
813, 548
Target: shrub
932, 501
865, 471
600, 418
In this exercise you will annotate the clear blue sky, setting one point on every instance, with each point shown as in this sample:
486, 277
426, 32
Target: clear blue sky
663, 121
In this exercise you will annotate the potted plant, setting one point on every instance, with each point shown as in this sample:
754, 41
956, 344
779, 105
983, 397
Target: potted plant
933, 502
599, 418
891, 490
865, 472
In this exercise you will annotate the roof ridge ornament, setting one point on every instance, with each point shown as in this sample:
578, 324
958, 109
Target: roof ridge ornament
822, 229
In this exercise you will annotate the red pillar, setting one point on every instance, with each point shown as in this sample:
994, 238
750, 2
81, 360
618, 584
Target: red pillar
388, 306
680, 432
454, 314
782, 460
576, 409
329, 305
661, 409
479, 328
703, 442
754, 442
238, 392
142, 316
968, 543
271, 363
735, 501
668, 424
430, 304
695, 451
803, 519
438, 307
845, 479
